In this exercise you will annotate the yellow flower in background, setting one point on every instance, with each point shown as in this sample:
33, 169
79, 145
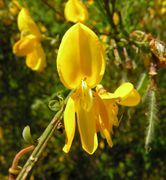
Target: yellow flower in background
163, 7
116, 18
81, 67
14, 7
1, 4
90, 2
29, 44
75, 11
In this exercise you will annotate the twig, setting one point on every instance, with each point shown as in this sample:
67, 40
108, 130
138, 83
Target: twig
152, 114
14, 169
152, 74
110, 14
57, 12
43, 140
128, 63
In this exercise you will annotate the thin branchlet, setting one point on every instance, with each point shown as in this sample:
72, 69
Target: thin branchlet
152, 119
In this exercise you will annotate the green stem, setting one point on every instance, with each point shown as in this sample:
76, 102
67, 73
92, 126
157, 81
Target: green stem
14, 170
110, 13
43, 140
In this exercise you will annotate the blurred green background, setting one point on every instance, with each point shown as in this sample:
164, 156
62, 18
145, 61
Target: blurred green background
25, 95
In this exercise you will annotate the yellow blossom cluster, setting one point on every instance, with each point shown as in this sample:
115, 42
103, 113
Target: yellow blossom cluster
29, 44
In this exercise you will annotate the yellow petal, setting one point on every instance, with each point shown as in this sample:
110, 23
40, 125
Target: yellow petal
109, 96
81, 60
36, 60
106, 95
124, 90
75, 11
25, 46
103, 121
102, 111
131, 100
86, 96
109, 100
128, 95
106, 133
112, 110
87, 129
26, 23
69, 123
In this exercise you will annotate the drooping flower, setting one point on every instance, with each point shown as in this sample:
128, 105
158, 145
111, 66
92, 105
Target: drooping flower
81, 67
29, 44
75, 11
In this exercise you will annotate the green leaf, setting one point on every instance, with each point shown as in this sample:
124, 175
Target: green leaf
27, 135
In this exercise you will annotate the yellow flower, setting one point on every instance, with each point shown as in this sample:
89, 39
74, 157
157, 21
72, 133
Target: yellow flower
30, 43
75, 11
81, 67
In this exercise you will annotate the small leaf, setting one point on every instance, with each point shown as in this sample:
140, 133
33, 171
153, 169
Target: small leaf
27, 135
